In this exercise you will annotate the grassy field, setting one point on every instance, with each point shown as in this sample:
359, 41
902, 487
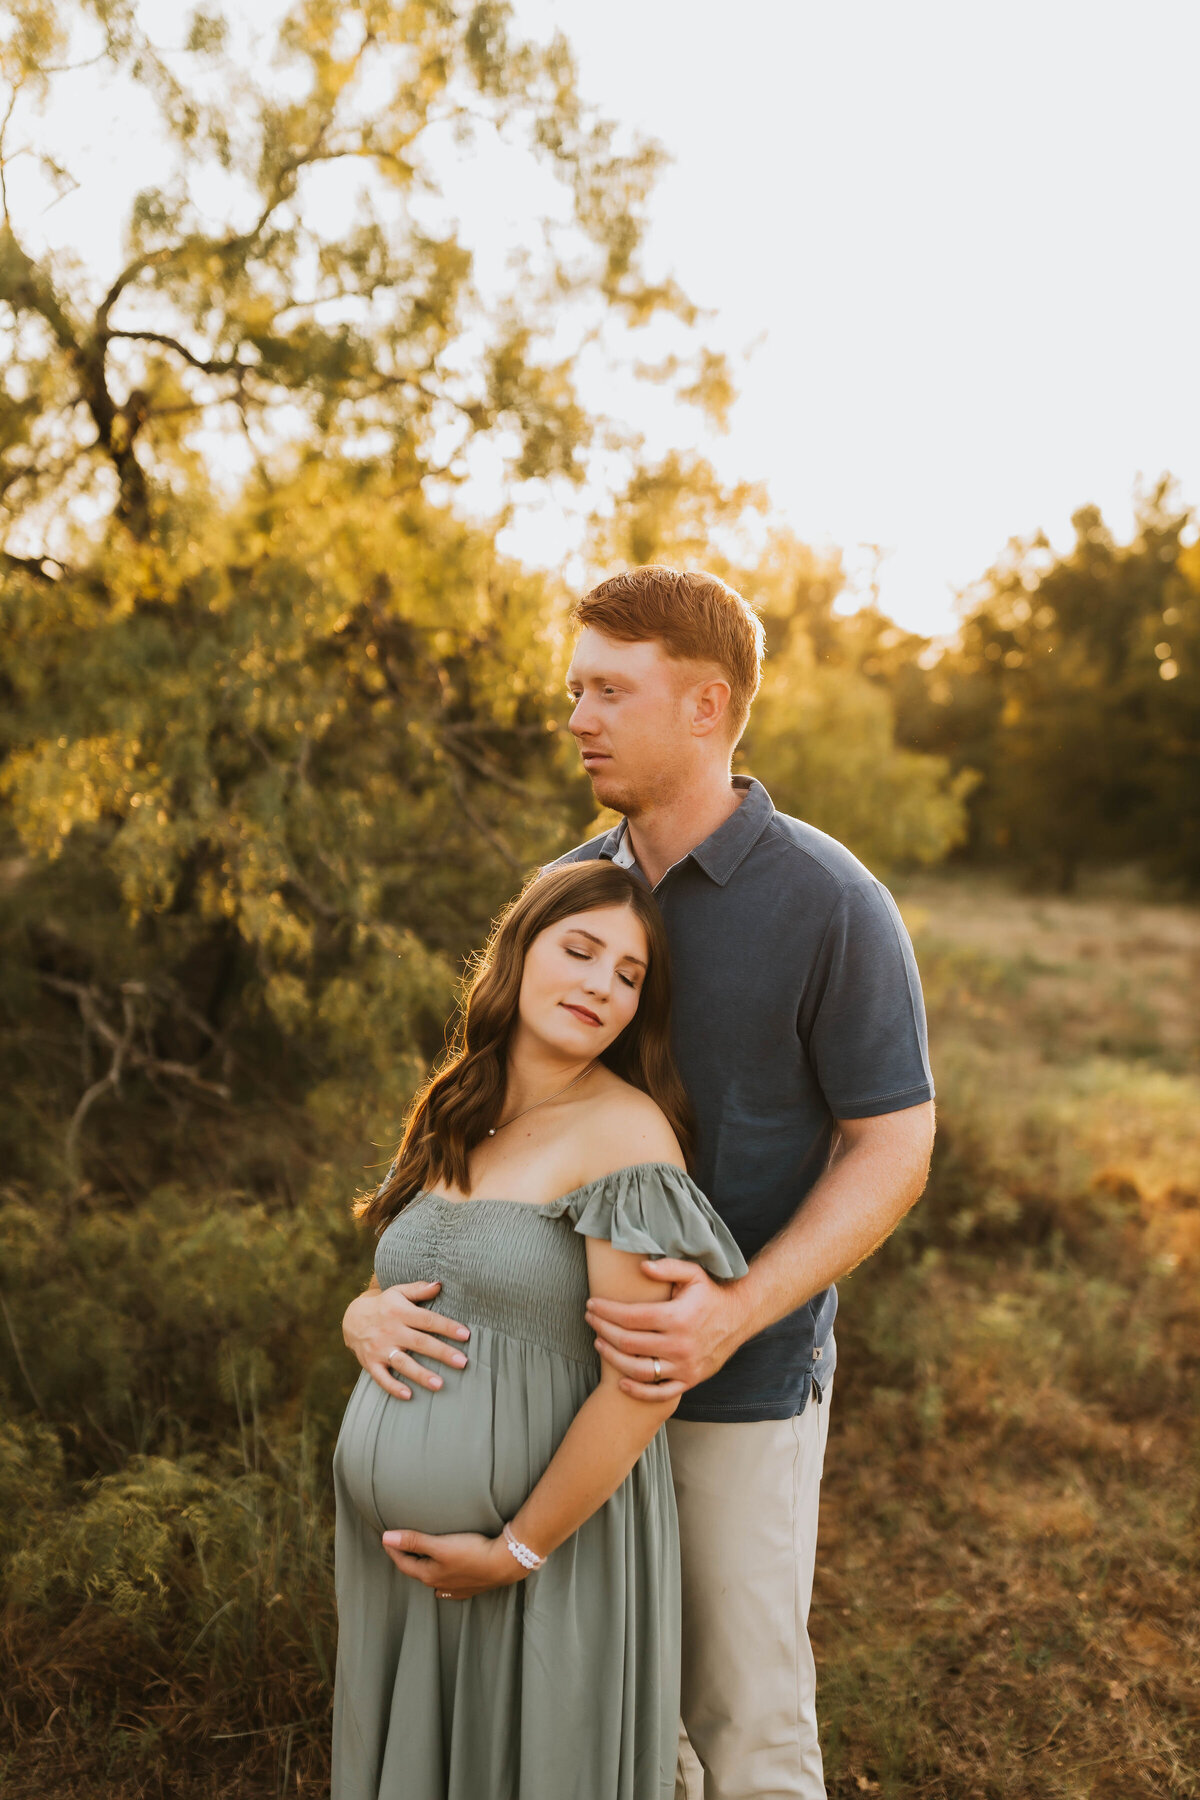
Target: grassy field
1008, 1568
1007, 1586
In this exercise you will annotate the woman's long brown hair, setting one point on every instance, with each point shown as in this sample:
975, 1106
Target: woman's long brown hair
465, 1095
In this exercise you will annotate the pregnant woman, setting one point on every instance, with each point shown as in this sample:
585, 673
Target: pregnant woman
507, 1549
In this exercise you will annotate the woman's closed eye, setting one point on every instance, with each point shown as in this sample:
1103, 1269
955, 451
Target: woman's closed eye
586, 957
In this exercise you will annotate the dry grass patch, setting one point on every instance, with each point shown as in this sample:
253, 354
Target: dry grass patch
1006, 1602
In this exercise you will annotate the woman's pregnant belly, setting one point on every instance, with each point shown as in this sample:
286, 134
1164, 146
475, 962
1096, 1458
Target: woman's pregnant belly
462, 1458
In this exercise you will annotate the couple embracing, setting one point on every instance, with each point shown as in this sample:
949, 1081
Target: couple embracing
578, 1479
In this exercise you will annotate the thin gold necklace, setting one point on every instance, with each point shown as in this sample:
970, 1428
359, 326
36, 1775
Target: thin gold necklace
493, 1129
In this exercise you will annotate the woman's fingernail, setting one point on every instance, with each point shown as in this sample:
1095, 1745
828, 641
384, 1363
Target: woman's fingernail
406, 1393
459, 1361
435, 1381
463, 1332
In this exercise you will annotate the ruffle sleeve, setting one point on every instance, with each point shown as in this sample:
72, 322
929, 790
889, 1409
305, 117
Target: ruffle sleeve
654, 1209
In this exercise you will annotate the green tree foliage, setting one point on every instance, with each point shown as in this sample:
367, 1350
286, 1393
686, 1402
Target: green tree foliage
1074, 690
273, 749
370, 336
271, 760
275, 778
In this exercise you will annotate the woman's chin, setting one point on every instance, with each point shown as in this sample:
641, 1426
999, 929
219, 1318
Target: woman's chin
576, 1041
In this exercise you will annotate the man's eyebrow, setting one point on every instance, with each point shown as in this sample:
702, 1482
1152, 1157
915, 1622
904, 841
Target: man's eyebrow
593, 939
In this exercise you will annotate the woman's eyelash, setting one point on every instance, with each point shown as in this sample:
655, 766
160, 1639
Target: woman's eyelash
628, 980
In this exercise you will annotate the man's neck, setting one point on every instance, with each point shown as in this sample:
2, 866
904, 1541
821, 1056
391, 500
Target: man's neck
662, 834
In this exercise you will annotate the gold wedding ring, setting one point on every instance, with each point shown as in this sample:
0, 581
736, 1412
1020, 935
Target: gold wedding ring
657, 1368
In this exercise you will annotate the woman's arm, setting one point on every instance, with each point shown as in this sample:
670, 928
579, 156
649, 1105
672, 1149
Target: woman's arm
601, 1445
606, 1436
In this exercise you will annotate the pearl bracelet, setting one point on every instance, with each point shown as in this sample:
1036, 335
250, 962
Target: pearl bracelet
528, 1559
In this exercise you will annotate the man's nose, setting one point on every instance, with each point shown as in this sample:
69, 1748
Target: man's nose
579, 722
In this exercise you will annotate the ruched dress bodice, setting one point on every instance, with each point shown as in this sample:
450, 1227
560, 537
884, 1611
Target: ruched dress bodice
504, 1265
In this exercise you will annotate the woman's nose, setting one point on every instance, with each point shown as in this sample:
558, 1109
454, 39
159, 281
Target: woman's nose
597, 979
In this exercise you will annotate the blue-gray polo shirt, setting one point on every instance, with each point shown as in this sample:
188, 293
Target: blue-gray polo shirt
795, 1001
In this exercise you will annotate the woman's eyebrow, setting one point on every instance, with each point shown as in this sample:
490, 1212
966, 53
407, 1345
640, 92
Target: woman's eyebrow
593, 939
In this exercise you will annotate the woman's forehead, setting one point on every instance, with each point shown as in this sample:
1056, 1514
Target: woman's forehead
616, 927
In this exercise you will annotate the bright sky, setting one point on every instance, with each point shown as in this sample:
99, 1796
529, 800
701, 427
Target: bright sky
966, 236
950, 248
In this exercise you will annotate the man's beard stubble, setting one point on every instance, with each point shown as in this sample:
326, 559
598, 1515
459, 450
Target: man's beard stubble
623, 795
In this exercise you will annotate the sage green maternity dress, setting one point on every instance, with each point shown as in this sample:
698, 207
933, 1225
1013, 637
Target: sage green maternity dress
566, 1685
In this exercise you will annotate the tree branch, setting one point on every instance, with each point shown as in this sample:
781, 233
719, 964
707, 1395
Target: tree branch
27, 289
474, 759
12, 1336
125, 1053
112, 1079
209, 366
485, 830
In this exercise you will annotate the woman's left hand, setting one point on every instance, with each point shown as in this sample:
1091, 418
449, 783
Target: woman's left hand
456, 1564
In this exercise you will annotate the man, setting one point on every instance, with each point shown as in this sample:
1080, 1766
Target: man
800, 1034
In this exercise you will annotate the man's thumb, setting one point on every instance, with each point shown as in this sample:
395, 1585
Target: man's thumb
669, 1268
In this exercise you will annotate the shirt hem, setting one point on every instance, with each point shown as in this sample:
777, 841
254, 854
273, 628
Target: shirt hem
883, 1103
744, 1414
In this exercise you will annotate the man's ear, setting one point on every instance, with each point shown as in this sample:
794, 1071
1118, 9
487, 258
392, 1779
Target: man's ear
710, 705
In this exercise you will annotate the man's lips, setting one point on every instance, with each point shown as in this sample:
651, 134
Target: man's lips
581, 1012
594, 756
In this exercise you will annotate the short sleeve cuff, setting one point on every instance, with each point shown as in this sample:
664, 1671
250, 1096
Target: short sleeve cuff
881, 1103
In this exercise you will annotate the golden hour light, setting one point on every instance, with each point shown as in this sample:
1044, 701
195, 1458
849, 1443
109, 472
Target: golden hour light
599, 876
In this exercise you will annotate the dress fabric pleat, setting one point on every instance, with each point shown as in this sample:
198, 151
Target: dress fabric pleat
564, 1686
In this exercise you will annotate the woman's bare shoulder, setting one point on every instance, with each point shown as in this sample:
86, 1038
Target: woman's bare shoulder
622, 1125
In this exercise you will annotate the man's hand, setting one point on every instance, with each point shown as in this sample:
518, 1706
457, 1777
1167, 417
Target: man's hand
455, 1564
386, 1328
880, 1168
693, 1332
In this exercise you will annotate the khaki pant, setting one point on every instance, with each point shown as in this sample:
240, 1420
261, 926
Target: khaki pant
748, 1498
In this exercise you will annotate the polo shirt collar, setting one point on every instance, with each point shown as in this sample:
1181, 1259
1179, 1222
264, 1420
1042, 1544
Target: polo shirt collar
722, 851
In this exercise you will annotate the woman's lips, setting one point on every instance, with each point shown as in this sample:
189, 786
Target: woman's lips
581, 1012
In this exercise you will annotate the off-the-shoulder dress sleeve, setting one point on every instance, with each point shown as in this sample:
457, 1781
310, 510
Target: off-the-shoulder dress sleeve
653, 1209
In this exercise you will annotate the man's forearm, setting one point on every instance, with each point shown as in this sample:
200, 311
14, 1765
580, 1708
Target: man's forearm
858, 1202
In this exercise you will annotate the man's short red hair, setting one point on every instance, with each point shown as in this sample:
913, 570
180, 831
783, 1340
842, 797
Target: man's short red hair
695, 616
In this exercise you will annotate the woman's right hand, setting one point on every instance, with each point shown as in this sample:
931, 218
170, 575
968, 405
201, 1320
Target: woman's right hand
385, 1327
